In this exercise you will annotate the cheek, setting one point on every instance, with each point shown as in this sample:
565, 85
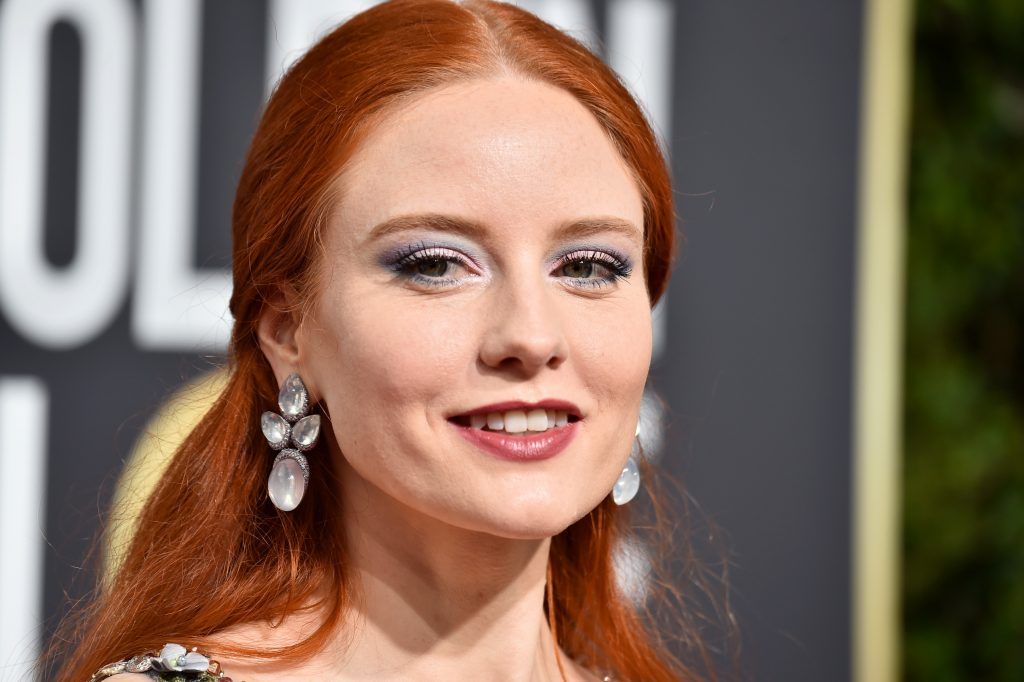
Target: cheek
613, 350
388, 361
613, 362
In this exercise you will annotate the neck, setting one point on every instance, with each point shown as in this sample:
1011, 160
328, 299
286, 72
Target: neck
434, 601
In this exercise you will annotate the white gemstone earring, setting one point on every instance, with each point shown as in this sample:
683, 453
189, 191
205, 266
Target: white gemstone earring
628, 485
290, 473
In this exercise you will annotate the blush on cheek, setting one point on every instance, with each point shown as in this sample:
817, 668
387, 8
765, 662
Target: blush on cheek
402, 357
623, 346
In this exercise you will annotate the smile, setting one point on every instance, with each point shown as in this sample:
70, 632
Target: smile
537, 420
520, 432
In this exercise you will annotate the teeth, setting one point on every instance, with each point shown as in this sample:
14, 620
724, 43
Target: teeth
537, 420
515, 421
520, 421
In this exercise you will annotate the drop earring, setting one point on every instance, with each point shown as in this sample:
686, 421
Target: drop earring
628, 485
289, 476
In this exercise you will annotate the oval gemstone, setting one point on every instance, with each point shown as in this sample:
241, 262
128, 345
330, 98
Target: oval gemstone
293, 399
306, 431
275, 429
287, 484
628, 484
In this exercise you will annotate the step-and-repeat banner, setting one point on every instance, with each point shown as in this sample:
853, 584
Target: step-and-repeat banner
123, 126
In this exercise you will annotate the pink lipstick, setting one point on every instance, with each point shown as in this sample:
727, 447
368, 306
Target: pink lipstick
527, 439
525, 447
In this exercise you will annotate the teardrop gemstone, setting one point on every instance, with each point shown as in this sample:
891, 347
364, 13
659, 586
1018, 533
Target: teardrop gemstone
628, 484
287, 484
275, 429
306, 431
293, 398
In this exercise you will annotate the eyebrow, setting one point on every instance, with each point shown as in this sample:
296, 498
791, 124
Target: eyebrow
583, 227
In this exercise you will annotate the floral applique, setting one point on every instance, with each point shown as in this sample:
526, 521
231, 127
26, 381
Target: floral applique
174, 663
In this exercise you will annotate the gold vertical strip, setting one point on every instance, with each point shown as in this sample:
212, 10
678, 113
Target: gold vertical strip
877, 400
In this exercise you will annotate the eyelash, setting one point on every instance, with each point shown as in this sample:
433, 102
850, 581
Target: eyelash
420, 253
618, 267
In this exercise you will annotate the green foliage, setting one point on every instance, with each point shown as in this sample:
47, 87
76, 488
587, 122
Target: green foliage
964, 404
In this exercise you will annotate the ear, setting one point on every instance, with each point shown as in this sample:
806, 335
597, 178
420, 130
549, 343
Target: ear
278, 332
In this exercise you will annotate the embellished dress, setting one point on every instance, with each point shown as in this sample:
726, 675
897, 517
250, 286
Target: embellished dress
175, 663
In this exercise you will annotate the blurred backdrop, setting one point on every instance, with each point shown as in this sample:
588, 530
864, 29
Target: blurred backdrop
853, 449
963, 527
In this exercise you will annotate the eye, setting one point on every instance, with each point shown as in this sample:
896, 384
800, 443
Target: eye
591, 268
430, 266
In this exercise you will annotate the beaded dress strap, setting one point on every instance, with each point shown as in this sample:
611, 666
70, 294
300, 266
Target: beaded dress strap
174, 663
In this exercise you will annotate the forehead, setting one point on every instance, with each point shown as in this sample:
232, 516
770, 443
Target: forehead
503, 152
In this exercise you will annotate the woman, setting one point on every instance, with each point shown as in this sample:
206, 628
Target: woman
448, 235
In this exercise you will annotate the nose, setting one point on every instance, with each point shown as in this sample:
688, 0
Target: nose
526, 329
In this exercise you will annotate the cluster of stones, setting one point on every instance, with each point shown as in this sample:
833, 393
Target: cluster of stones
290, 433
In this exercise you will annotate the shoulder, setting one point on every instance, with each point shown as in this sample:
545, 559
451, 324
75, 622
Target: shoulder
177, 663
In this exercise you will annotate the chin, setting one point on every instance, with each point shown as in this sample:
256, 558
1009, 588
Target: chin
530, 519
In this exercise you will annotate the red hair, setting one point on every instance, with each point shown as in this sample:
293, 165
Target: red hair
210, 551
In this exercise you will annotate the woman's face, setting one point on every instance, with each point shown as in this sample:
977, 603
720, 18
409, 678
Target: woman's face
486, 248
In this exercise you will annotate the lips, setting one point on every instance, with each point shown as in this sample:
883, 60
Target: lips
520, 431
536, 446
548, 404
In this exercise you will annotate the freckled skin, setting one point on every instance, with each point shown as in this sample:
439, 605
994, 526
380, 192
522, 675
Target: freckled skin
391, 359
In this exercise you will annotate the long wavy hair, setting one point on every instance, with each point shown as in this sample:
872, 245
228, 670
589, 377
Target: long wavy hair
209, 550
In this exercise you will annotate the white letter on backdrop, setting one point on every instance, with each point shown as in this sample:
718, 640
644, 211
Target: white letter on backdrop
24, 404
65, 307
176, 306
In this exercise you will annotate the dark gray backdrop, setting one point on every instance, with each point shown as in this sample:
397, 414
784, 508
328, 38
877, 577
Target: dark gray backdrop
757, 364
